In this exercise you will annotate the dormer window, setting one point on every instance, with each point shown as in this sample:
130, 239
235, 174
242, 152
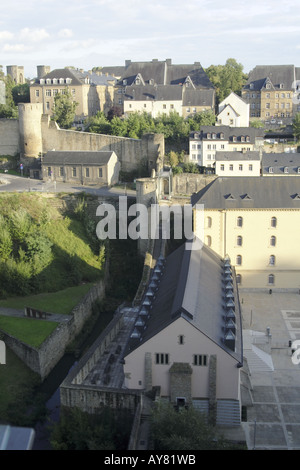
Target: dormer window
54, 81
42, 81
221, 135
233, 138
298, 169
251, 86
61, 81
124, 82
214, 136
271, 169
247, 138
242, 138
68, 80
209, 136
48, 81
281, 85
286, 169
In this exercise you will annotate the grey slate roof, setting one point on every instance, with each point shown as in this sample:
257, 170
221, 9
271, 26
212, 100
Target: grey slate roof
280, 161
198, 97
192, 286
228, 133
153, 92
236, 156
78, 77
250, 193
277, 74
75, 157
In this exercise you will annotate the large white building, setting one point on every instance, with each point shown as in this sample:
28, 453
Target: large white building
238, 163
233, 111
204, 144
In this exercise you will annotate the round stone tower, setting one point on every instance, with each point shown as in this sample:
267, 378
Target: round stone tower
30, 130
42, 70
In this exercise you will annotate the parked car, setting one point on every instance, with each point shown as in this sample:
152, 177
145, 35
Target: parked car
273, 121
279, 122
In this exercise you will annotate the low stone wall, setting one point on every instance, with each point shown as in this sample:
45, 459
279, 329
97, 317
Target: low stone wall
43, 359
189, 183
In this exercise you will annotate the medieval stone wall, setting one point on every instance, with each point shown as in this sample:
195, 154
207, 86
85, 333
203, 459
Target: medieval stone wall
9, 137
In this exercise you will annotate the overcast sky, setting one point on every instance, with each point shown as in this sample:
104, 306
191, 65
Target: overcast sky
88, 33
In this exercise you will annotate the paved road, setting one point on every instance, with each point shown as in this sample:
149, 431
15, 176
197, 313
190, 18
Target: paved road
11, 183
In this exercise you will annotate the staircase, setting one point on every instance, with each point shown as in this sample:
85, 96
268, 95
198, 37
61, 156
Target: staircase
257, 359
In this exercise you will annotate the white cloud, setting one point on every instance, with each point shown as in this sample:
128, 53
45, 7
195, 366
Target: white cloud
65, 33
15, 48
34, 35
6, 35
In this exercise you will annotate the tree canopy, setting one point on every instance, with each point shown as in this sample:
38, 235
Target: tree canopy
64, 109
296, 126
227, 78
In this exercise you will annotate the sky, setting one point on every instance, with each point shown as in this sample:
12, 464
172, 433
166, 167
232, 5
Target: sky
90, 33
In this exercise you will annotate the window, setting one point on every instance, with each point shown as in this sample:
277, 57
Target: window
208, 222
222, 167
37, 93
271, 279
272, 260
74, 172
100, 172
239, 222
273, 241
54, 92
241, 167
61, 171
161, 358
239, 240
239, 260
48, 92
164, 106
273, 222
231, 167
208, 240
200, 360
181, 339
87, 172
49, 171
239, 279
250, 167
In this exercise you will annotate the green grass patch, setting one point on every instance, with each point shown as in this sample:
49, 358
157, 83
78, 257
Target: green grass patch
29, 330
61, 302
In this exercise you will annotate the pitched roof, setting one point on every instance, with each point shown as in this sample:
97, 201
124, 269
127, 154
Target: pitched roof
237, 156
192, 286
73, 157
78, 77
227, 133
277, 74
280, 161
263, 193
198, 97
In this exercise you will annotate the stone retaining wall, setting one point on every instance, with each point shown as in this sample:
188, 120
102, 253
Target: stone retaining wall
43, 359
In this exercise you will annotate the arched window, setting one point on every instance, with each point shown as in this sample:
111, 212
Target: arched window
208, 240
239, 240
239, 260
274, 222
271, 279
272, 260
208, 222
273, 241
239, 221
239, 279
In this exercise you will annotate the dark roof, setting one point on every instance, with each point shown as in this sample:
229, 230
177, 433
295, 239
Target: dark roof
78, 76
280, 161
250, 193
198, 97
73, 157
165, 73
153, 92
227, 133
236, 156
275, 74
191, 286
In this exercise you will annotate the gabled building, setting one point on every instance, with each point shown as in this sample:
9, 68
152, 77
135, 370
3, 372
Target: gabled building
233, 111
81, 167
256, 221
204, 144
92, 91
272, 91
165, 74
187, 338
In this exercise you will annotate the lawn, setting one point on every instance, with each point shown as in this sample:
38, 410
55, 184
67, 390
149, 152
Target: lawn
55, 302
29, 330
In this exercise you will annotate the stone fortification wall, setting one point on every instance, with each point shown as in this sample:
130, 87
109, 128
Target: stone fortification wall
9, 137
189, 183
43, 359
90, 398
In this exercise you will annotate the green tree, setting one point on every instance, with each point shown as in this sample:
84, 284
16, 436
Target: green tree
20, 93
296, 126
227, 78
184, 430
9, 110
64, 109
